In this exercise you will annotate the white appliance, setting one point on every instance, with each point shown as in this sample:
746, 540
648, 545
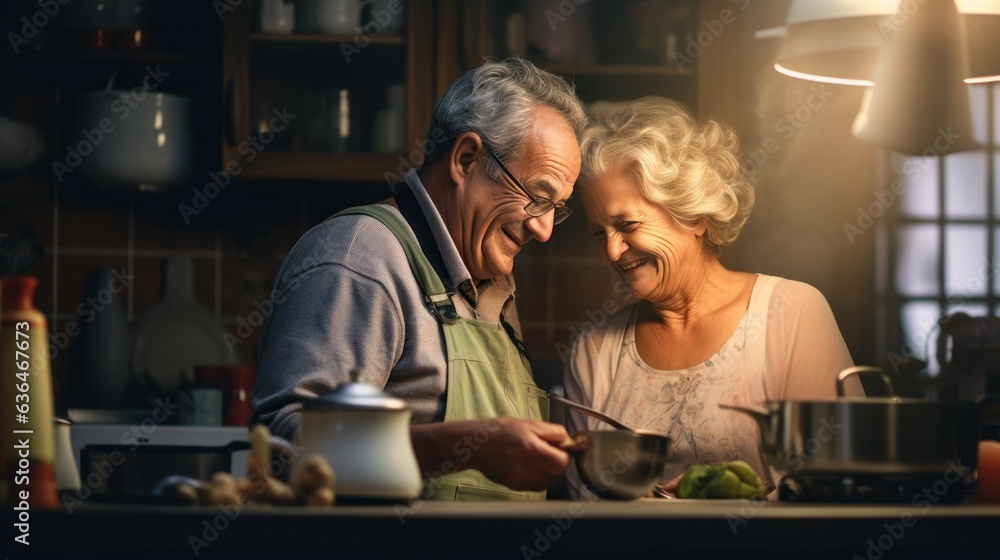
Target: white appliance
148, 432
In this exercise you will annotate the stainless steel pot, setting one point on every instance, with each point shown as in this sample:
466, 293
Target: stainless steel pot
887, 436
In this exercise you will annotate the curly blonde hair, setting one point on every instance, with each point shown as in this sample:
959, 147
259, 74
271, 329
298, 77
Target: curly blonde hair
690, 168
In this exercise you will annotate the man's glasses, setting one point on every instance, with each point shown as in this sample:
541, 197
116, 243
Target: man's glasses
539, 205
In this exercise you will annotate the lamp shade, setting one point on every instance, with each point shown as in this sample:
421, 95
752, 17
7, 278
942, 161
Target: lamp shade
920, 103
838, 41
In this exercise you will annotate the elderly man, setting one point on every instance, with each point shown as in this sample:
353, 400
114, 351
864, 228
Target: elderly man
439, 328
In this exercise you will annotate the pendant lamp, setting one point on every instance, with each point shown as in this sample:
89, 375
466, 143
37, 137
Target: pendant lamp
920, 103
838, 41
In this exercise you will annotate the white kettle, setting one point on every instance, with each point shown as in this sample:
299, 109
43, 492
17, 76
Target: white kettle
365, 436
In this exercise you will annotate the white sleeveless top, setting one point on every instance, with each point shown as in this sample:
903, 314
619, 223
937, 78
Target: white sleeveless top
787, 346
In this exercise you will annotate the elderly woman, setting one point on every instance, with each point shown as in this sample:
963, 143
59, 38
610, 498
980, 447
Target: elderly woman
664, 194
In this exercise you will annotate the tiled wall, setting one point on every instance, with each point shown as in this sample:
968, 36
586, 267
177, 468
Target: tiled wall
564, 288
236, 250
235, 254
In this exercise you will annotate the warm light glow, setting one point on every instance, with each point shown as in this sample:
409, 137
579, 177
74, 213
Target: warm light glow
982, 79
822, 79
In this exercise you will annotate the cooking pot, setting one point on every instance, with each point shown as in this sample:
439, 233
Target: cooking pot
129, 138
365, 436
887, 437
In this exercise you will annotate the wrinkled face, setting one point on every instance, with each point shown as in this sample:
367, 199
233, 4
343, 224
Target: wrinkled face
639, 238
495, 225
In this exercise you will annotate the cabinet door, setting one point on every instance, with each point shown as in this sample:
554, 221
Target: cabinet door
321, 105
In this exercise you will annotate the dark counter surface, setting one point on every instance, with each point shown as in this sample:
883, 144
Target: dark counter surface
554, 529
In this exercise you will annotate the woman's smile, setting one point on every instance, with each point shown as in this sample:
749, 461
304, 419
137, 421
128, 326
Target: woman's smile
632, 264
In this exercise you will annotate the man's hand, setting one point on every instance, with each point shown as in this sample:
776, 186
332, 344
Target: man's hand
520, 454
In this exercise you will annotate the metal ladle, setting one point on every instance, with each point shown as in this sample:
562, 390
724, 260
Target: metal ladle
591, 412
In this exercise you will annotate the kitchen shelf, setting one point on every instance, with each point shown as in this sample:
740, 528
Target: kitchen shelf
317, 38
309, 73
655, 70
106, 56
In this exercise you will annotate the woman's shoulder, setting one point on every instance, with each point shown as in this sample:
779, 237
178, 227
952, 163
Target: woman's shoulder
785, 290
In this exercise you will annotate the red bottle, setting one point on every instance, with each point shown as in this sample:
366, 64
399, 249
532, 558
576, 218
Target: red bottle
27, 439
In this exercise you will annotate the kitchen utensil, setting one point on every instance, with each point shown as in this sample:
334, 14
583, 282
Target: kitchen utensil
67, 473
887, 436
100, 369
591, 412
365, 436
134, 138
619, 464
176, 334
129, 472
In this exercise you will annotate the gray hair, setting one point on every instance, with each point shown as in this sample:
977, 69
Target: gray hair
496, 101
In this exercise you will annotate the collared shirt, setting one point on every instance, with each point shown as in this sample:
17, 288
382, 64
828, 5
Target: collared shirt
344, 299
484, 300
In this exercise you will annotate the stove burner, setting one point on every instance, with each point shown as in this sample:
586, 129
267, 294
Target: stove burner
867, 488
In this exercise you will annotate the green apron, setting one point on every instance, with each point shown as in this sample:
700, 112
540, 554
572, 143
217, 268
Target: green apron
488, 376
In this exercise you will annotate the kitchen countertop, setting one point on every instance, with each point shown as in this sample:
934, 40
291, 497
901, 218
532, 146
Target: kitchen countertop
678, 528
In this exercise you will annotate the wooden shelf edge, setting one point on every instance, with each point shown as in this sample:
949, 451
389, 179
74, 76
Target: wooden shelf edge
322, 167
272, 38
108, 56
620, 70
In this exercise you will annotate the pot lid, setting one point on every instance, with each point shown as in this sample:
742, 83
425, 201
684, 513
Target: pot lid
355, 395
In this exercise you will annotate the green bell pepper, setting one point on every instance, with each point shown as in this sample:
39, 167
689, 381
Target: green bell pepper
732, 480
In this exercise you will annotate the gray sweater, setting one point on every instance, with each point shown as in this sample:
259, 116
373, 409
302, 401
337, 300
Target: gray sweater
345, 298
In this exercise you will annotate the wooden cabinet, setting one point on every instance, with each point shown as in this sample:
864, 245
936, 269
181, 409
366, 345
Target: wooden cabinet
348, 107
344, 90
53, 60
610, 50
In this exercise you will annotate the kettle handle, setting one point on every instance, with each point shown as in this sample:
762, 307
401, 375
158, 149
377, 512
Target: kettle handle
856, 370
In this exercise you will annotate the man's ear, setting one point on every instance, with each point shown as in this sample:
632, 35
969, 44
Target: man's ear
464, 155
